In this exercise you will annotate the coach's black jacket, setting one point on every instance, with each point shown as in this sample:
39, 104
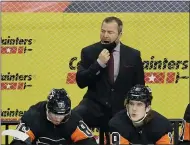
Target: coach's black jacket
90, 74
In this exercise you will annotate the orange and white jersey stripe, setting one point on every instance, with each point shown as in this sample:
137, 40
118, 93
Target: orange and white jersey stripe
166, 139
81, 132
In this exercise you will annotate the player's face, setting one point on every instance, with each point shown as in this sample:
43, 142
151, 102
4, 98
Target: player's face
136, 109
54, 118
109, 32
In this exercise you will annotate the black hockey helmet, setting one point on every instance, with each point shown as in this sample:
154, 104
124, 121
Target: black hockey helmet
58, 102
139, 93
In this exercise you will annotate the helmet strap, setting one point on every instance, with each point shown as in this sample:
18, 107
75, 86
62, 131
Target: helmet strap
47, 116
138, 122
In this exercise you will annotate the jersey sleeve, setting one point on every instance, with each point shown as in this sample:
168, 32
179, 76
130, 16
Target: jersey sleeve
28, 124
81, 132
165, 139
23, 127
161, 130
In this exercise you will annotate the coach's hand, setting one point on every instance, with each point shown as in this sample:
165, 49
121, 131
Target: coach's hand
104, 56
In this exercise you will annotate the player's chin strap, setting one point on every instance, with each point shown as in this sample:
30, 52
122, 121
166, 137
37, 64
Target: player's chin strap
138, 122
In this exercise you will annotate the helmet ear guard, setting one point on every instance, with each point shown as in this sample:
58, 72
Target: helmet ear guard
148, 108
125, 102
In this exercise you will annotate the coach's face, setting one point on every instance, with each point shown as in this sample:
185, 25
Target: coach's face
109, 32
